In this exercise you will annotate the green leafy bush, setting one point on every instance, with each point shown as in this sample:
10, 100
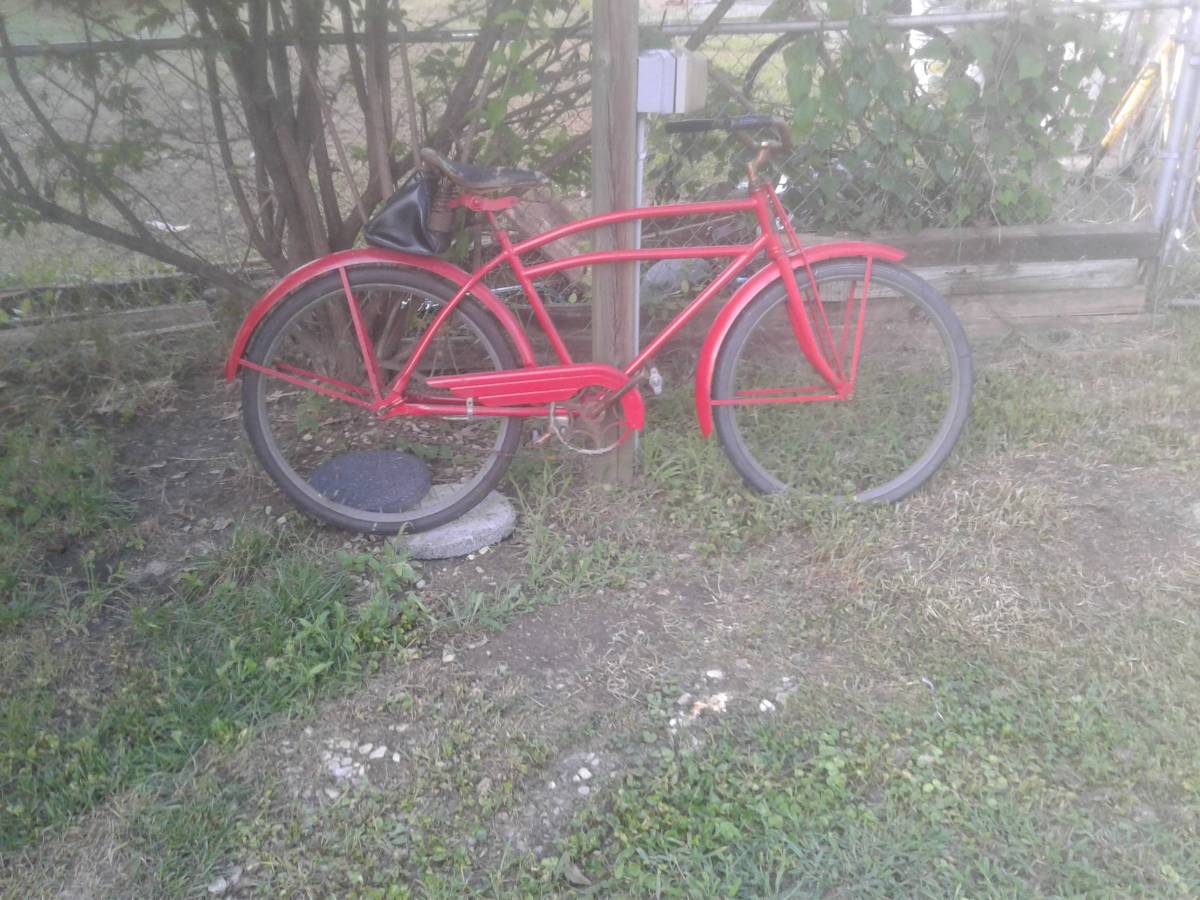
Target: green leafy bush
949, 126
902, 129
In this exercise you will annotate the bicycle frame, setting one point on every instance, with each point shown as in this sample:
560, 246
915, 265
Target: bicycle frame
834, 360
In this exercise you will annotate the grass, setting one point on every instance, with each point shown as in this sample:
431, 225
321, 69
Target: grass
999, 786
262, 630
55, 487
987, 699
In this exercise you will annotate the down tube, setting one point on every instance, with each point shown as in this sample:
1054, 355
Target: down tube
672, 328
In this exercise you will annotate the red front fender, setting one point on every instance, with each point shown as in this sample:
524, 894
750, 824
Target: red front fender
707, 363
367, 256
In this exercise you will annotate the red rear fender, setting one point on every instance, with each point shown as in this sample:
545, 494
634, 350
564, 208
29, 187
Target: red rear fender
374, 256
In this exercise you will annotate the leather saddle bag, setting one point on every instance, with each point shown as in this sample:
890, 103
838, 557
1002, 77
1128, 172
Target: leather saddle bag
404, 221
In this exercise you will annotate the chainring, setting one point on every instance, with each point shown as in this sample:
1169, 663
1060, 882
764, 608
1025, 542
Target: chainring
592, 428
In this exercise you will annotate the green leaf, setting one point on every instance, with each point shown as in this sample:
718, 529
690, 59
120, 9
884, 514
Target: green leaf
803, 117
979, 42
726, 830
799, 83
511, 17
857, 98
495, 112
861, 29
313, 671
1030, 64
962, 92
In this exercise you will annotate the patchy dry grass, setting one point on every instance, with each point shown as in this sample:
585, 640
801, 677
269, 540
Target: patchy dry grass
988, 690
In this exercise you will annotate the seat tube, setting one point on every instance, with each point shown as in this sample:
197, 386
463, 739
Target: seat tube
535, 301
797, 315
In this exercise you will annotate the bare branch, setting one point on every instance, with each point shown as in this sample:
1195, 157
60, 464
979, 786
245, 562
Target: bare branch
706, 27
268, 249
458, 104
356, 66
82, 167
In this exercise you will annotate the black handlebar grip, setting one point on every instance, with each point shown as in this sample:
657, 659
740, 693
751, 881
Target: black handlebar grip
688, 126
751, 122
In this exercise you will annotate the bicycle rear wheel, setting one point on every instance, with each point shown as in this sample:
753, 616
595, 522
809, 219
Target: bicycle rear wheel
336, 460
911, 399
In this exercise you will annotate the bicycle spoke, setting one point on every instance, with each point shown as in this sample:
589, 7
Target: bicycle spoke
909, 399
360, 470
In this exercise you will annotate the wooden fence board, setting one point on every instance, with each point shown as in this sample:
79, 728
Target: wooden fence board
1027, 243
129, 323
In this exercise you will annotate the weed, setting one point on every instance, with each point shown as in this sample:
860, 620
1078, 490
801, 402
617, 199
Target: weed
561, 560
77, 609
183, 833
54, 487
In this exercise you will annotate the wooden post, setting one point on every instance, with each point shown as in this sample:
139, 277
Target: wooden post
614, 105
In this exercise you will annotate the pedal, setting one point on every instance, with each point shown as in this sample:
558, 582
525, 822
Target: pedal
655, 381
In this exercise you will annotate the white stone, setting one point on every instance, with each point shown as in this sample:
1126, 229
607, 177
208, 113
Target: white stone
714, 674
766, 706
218, 886
395, 757
585, 773
490, 522
584, 790
364, 749
332, 793
378, 752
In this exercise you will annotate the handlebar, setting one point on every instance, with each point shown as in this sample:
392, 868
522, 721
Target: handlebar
737, 125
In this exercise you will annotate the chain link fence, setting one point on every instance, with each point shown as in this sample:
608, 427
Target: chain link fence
930, 124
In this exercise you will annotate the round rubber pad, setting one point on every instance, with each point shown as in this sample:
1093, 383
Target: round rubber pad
383, 481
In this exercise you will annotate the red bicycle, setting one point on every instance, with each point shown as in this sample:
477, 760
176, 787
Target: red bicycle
384, 389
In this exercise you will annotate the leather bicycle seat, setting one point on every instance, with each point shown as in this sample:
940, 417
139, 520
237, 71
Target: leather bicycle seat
483, 178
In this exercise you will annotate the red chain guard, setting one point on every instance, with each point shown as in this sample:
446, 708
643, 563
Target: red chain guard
543, 384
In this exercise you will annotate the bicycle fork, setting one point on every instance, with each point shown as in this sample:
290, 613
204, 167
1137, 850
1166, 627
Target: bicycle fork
828, 360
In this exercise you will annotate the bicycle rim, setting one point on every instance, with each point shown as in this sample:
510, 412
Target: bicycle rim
337, 460
910, 400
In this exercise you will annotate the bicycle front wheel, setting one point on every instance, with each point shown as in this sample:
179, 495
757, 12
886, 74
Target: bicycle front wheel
334, 458
911, 398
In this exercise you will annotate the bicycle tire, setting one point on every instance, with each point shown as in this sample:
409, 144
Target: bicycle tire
283, 470
801, 429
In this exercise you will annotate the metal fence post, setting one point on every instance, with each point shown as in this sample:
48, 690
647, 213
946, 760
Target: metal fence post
1181, 126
